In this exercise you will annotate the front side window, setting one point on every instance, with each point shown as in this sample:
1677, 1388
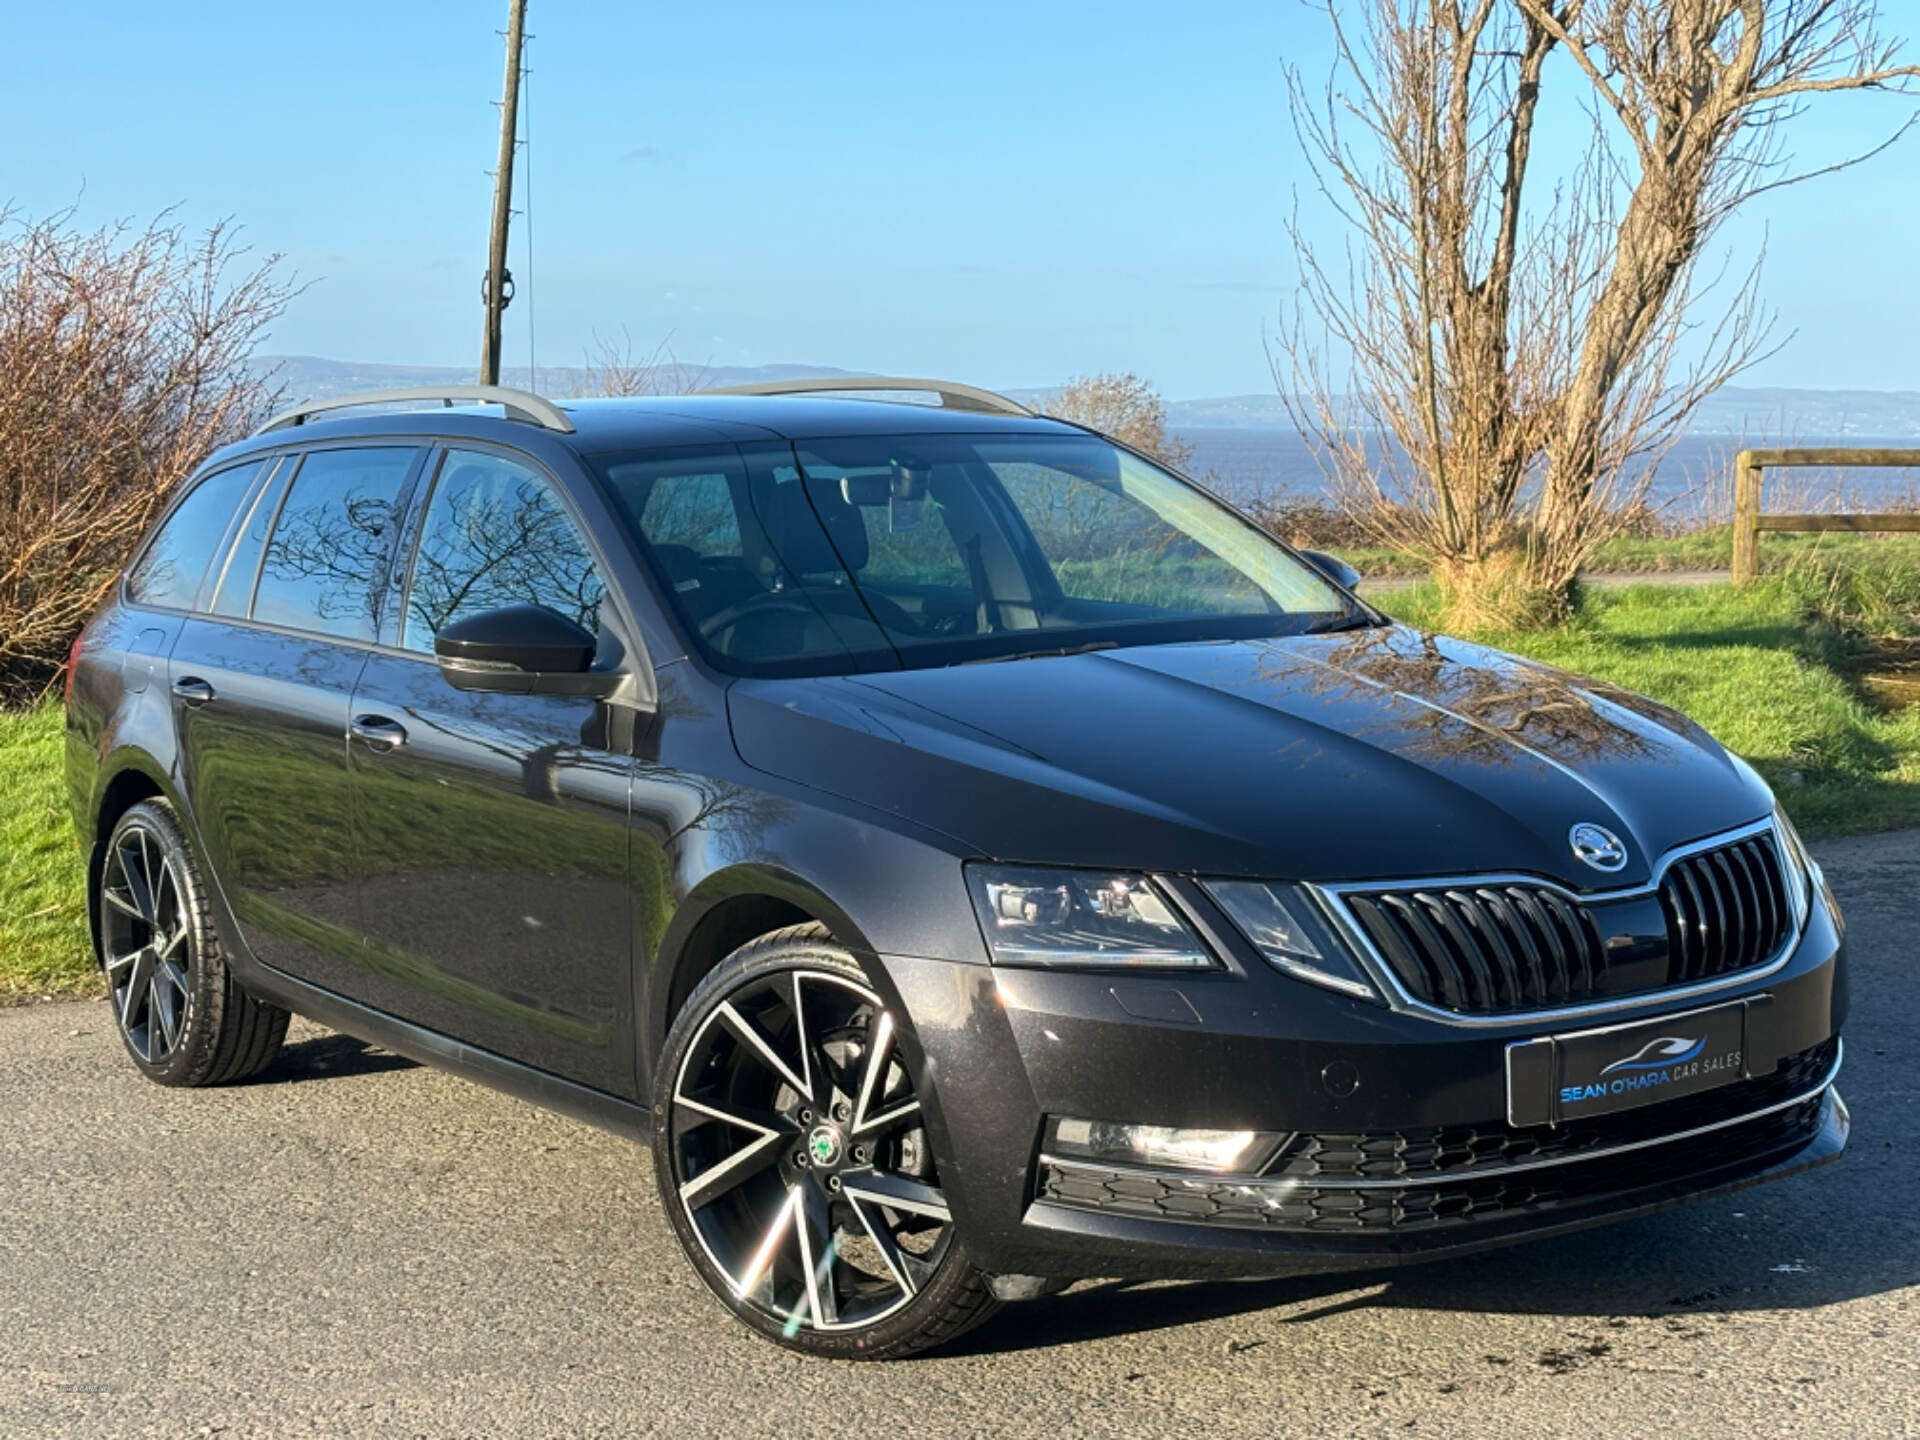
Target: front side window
169, 571
879, 552
495, 534
324, 565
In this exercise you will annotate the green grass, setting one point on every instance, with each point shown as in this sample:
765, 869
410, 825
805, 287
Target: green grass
1765, 668
43, 921
1781, 553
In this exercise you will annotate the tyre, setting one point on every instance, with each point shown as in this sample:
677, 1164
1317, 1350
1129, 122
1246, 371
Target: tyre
794, 1164
183, 1018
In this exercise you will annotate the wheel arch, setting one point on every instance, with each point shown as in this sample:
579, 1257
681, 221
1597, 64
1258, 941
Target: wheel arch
725, 911
135, 777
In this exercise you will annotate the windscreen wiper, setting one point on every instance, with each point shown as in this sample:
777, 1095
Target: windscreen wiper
1043, 654
1347, 622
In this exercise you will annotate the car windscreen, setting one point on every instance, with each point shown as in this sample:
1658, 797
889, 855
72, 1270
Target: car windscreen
884, 552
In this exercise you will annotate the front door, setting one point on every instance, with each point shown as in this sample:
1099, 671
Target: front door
491, 830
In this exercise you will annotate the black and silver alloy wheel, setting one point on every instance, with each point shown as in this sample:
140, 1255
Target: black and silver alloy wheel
184, 1019
794, 1154
144, 932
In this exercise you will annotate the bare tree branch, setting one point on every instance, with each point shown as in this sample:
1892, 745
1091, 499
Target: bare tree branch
123, 362
1517, 351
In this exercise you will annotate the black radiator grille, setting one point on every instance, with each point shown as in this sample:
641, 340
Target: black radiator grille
1515, 946
1726, 909
1485, 949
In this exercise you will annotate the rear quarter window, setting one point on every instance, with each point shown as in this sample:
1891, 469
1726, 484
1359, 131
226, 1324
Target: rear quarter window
232, 592
169, 571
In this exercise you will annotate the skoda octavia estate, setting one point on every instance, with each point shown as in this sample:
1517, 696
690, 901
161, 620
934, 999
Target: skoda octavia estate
971, 856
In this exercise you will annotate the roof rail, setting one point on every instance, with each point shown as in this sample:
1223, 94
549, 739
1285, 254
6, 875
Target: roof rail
519, 405
952, 396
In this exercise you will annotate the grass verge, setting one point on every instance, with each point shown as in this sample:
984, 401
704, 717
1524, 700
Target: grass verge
43, 921
1782, 552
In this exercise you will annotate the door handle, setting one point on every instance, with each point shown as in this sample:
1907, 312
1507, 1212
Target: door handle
193, 690
378, 732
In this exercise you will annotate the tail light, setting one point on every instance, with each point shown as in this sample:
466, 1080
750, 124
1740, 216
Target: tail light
73, 664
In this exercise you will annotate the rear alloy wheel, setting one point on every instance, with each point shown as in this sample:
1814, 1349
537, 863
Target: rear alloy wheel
794, 1161
145, 934
183, 1018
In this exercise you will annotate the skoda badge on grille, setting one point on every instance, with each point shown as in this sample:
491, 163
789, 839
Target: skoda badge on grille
1598, 847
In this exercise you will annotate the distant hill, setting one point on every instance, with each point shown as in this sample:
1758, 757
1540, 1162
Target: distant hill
1774, 415
309, 377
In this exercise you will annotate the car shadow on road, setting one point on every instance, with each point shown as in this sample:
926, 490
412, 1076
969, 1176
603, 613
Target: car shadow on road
1750, 1251
329, 1057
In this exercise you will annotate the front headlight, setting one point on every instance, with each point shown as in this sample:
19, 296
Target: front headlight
1285, 926
1081, 919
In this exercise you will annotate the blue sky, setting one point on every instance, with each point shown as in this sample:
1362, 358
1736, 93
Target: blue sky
1005, 193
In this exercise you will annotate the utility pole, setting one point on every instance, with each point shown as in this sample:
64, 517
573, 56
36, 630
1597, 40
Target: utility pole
494, 291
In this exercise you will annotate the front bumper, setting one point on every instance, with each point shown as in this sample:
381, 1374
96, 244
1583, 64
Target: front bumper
1402, 1148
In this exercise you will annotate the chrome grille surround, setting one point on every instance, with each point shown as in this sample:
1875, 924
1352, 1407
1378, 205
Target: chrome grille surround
1563, 910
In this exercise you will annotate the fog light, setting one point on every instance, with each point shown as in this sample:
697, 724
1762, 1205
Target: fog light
1242, 1152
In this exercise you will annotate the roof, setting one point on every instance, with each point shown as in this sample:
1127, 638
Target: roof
643, 422
622, 423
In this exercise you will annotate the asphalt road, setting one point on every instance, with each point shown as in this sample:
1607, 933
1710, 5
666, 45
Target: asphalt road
354, 1245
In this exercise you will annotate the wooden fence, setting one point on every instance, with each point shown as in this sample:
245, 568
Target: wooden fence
1748, 521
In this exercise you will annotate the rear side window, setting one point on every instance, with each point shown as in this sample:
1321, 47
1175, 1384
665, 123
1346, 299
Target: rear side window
328, 555
170, 569
496, 534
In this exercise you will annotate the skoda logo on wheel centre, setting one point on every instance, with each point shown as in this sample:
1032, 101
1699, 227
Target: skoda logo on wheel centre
824, 1146
1599, 847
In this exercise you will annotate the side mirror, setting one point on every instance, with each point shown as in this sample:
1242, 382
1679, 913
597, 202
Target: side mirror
520, 650
1333, 567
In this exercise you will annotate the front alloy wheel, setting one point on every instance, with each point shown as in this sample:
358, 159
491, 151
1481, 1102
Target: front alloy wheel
795, 1163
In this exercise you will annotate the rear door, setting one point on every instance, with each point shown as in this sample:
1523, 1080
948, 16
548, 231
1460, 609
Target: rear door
262, 684
492, 829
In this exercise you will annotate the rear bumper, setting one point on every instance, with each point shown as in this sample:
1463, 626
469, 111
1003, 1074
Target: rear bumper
1408, 1113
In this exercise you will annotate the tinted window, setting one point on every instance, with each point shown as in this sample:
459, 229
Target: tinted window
692, 509
496, 534
686, 508
881, 551
234, 592
1104, 541
328, 554
169, 571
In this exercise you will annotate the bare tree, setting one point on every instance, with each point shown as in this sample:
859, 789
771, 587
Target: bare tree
613, 368
1700, 90
1124, 407
1519, 353
123, 362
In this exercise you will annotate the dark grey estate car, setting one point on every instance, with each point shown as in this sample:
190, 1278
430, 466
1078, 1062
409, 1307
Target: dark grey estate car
971, 855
